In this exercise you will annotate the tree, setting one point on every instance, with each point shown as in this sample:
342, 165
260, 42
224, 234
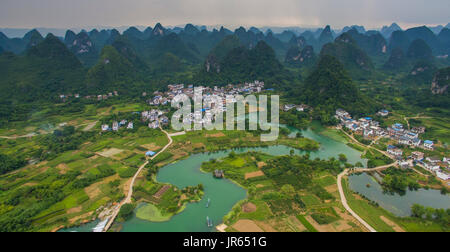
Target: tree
417, 211
287, 189
342, 158
125, 211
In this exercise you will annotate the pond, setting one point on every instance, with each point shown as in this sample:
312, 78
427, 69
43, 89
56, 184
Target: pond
395, 203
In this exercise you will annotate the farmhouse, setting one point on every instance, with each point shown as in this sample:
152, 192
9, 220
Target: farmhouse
219, 174
417, 155
150, 153
394, 151
428, 144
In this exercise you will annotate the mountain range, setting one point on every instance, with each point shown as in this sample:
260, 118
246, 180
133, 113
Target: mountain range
137, 60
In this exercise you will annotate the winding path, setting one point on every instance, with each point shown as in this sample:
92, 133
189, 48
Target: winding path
130, 191
345, 204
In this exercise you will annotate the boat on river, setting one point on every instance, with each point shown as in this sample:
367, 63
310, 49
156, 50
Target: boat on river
209, 221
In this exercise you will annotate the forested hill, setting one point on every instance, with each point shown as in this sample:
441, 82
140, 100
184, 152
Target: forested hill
241, 64
330, 87
42, 72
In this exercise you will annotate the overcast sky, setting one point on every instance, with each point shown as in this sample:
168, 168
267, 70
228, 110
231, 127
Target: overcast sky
230, 13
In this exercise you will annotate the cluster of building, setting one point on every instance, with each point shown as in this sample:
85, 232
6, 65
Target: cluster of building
211, 104
155, 118
437, 166
99, 97
117, 125
164, 98
370, 129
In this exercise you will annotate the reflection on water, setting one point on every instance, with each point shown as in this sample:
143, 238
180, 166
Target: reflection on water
396, 204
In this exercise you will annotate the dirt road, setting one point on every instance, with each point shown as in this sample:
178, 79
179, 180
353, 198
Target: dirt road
130, 191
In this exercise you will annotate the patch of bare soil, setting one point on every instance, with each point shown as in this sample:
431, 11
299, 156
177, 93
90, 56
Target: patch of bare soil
249, 207
63, 168
75, 210
254, 174
219, 134
29, 184
161, 191
349, 218
151, 146
392, 224
320, 228
94, 190
342, 226
81, 217
199, 145
247, 226
331, 188
110, 152
266, 227
261, 165
298, 225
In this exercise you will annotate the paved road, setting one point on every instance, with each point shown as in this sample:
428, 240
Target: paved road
346, 206
130, 191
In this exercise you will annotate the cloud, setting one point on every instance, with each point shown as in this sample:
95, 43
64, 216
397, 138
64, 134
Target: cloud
79, 13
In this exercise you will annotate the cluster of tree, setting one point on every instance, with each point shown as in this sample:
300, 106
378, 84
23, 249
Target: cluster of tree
396, 180
89, 178
61, 141
296, 119
9, 163
239, 64
427, 213
126, 211
297, 170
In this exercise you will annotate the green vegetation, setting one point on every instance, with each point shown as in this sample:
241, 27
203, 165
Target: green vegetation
305, 223
126, 211
376, 158
397, 180
8, 163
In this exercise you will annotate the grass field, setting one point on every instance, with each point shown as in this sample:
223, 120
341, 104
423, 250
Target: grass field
150, 212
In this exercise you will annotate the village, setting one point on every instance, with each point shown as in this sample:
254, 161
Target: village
399, 137
214, 99
156, 118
